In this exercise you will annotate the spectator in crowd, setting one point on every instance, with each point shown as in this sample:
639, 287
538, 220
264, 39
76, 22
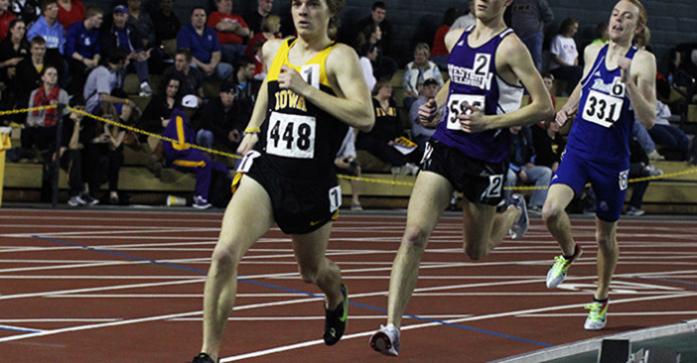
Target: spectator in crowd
528, 20
380, 140
439, 52
232, 31
48, 27
417, 71
156, 118
70, 12
223, 120
30, 69
247, 86
385, 66
420, 133
101, 83
522, 168
368, 53
6, 17
642, 136
203, 43
547, 142
346, 163
564, 65
639, 168
141, 21
167, 26
270, 28
466, 20
119, 34
182, 157
41, 128
191, 78
256, 18
83, 48
602, 33
13, 49
107, 147
673, 139
28, 10
72, 160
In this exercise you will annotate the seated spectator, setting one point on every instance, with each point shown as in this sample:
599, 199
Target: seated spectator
82, 48
223, 120
203, 43
602, 32
181, 156
119, 34
439, 52
346, 163
190, 77
380, 140
70, 12
101, 83
522, 168
466, 20
232, 31
141, 21
13, 50
269, 30
40, 130
29, 70
420, 133
156, 118
368, 54
417, 71
639, 168
167, 26
247, 85
386, 66
27, 10
642, 136
6, 18
546, 139
256, 18
669, 137
564, 65
48, 27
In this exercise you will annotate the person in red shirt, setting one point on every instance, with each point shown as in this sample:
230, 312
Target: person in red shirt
232, 31
70, 12
6, 17
439, 53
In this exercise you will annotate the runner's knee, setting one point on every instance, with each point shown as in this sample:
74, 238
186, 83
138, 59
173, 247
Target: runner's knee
226, 259
551, 212
475, 250
415, 237
309, 274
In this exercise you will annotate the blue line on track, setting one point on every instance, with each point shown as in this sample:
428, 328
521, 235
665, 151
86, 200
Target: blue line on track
18, 329
280, 288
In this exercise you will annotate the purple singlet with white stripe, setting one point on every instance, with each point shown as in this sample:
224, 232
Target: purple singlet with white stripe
475, 81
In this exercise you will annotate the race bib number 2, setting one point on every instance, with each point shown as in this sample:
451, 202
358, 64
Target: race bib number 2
291, 136
456, 106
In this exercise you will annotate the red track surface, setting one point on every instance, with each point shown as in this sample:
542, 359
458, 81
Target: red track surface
115, 305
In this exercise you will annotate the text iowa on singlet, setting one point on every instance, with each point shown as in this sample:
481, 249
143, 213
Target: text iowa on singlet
289, 99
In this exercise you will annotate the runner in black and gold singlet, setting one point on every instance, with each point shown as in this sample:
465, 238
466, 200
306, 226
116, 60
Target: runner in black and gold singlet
313, 92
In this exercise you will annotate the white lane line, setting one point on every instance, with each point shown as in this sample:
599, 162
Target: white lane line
284, 348
57, 320
132, 229
312, 318
613, 313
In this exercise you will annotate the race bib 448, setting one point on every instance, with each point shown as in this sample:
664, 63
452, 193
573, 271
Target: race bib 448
291, 136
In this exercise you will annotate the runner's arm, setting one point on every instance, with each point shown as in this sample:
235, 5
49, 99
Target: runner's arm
641, 88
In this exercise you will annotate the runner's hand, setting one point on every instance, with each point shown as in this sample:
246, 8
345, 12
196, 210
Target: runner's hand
247, 143
472, 120
428, 113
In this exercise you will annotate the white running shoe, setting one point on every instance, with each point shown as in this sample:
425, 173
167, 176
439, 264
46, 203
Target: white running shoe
520, 227
386, 340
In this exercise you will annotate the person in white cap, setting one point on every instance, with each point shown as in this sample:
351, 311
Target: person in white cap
181, 156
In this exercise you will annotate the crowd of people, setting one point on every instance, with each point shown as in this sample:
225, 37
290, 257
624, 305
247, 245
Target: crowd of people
92, 51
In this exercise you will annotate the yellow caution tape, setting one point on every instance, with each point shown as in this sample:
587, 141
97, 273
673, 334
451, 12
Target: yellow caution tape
341, 176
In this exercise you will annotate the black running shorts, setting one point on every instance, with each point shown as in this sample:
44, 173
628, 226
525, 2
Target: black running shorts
479, 181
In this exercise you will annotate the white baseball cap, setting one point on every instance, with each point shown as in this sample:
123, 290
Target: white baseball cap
190, 101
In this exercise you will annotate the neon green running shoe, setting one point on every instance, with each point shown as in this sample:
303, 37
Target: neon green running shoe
336, 320
597, 315
557, 273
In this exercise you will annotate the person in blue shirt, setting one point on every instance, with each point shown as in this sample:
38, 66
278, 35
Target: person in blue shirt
82, 47
118, 34
182, 157
203, 43
617, 88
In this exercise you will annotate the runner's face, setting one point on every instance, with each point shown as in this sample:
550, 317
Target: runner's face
490, 9
624, 21
310, 16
